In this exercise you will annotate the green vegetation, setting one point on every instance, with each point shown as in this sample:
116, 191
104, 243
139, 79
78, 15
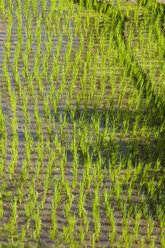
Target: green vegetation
82, 123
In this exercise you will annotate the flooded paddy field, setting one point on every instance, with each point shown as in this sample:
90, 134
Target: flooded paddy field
82, 123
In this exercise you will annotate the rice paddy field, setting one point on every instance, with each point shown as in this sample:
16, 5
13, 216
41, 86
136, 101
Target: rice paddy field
82, 123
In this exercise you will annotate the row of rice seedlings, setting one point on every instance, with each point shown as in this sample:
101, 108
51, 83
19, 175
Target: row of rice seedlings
13, 162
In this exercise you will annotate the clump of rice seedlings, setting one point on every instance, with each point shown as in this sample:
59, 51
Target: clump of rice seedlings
55, 68
53, 231
26, 65
15, 71
14, 127
2, 7
37, 224
38, 36
9, 34
82, 199
12, 225
68, 202
112, 233
34, 8
150, 227
96, 215
3, 134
